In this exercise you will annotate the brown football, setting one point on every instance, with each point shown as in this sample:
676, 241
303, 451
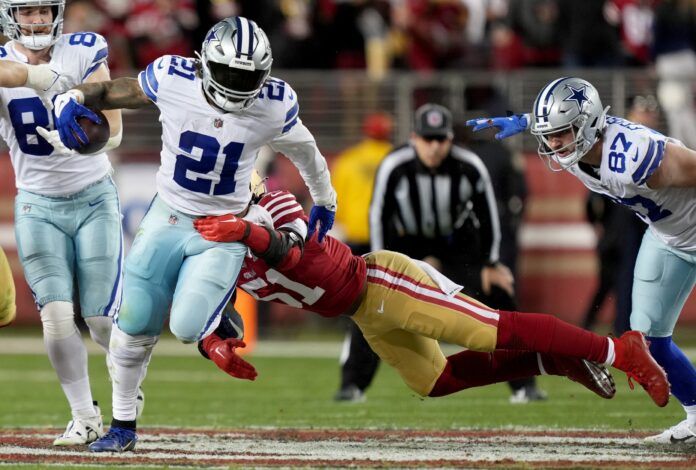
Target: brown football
98, 134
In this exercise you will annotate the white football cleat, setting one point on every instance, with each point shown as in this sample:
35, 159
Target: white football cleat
681, 433
82, 431
139, 403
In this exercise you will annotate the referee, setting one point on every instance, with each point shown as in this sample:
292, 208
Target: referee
432, 201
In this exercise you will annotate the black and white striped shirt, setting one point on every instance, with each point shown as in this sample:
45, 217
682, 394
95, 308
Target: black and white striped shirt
446, 212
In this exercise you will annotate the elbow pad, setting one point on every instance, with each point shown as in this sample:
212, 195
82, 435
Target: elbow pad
282, 243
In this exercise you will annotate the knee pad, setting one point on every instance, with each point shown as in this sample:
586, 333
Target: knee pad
191, 319
58, 320
100, 330
130, 351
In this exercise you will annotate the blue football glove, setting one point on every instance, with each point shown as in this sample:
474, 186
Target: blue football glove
67, 110
324, 215
508, 126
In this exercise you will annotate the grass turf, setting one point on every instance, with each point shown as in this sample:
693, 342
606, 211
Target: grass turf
296, 392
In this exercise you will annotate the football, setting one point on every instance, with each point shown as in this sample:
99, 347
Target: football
98, 134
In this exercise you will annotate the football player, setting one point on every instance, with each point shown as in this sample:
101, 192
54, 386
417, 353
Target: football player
404, 307
216, 113
653, 175
67, 217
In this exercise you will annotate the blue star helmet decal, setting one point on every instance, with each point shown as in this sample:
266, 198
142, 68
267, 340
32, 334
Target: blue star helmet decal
212, 35
578, 95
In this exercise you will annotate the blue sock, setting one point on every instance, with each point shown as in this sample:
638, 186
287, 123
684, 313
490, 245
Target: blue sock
680, 372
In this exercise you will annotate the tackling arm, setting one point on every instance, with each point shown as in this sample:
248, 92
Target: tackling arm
281, 248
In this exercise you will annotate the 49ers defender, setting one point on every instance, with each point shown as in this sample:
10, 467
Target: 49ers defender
404, 307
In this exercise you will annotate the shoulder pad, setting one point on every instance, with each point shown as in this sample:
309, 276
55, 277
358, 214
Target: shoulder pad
88, 49
166, 69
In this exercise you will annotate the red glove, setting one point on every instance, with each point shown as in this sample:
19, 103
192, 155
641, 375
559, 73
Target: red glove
221, 352
223, 228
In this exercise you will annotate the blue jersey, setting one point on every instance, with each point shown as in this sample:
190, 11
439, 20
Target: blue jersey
631, 153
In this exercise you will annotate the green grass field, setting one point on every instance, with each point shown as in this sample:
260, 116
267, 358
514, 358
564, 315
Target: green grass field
296, 392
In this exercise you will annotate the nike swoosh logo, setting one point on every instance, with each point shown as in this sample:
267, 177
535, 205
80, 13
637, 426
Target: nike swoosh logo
674, 440
635, 159
92, 204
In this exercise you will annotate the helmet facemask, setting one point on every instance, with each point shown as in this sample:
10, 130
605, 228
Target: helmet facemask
16, 31
578, 146
232, 80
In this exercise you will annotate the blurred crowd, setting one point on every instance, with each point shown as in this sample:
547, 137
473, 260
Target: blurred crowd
379, 35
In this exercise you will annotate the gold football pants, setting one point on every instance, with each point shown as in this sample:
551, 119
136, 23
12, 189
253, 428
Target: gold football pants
404, 313
7, 292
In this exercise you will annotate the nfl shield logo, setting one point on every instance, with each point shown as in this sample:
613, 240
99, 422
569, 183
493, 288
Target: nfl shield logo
217, 123
173, 220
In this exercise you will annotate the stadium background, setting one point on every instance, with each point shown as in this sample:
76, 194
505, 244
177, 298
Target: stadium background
346, 59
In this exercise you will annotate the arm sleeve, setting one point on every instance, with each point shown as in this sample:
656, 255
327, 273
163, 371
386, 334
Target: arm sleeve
150, 78
648, 158
298, 144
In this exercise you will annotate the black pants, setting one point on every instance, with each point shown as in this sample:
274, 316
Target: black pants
361, 363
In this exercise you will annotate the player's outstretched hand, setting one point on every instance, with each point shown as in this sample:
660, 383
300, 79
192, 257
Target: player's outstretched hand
222, 228
324, 216
221, 352
67, 111
53, 138
508, 126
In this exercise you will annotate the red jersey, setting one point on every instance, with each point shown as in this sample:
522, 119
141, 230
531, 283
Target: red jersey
327, 280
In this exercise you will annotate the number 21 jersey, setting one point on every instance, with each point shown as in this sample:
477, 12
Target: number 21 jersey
208, 155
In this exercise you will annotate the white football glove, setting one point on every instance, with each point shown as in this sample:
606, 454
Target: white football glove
53, 138
64, 98
44, 78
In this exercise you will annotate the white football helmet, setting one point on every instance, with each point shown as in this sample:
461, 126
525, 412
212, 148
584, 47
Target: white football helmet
235, 62
568, 103
14, 30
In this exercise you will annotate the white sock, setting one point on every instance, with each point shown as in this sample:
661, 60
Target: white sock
130, 356
691, 415
611, 353
69, 359
100, 331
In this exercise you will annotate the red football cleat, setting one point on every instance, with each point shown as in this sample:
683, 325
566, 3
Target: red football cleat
633, 357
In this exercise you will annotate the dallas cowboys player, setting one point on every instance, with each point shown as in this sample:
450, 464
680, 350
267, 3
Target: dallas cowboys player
216, 114
67, 219
652, 174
